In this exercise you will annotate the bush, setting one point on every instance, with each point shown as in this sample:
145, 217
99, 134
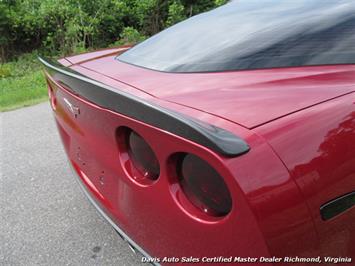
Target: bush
5, 71
176, 13
21, 82
61, 27
129, 36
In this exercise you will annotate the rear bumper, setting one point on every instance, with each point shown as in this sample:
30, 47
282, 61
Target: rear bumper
133, 245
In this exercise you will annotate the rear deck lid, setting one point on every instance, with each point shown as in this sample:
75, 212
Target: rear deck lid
249, 98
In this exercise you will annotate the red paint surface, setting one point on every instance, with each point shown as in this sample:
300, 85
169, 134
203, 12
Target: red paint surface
249, 98
318, 148
296, 162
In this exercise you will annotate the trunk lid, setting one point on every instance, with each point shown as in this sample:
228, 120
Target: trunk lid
249, 98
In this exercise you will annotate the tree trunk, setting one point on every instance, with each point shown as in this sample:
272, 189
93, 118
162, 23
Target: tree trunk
2, 54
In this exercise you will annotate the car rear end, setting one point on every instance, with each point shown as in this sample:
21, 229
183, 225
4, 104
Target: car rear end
166, 195
175, 157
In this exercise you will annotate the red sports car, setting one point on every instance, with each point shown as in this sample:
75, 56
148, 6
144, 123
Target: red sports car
229, 137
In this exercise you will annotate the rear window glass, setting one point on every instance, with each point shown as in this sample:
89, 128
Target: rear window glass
250, 34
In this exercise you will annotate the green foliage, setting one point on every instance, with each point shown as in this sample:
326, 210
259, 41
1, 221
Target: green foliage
5, 71
176, 13
62, 27
21, 82
5, 22
21, 66
220, 2
22, 91
129, 36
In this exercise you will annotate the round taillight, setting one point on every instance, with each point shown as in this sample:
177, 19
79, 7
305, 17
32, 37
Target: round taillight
203, 186
142, 156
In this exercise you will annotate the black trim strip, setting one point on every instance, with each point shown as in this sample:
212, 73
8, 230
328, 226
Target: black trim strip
337, 206
212, 137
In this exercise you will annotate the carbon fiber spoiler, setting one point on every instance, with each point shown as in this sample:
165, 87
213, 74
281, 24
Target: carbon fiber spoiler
212, 137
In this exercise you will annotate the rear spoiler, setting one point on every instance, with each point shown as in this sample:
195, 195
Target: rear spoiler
209, 136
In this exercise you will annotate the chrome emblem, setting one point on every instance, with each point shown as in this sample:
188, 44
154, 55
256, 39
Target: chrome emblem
72, 108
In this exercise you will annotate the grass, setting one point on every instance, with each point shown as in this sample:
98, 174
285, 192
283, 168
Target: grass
21, 83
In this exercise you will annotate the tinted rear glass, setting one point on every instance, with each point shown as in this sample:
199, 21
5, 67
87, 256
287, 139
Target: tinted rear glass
250, 34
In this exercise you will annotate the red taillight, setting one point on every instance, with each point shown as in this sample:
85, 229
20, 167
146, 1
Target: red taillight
142, 156
203, 186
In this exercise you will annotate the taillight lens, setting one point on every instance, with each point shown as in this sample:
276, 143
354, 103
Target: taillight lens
142, 156
203, 186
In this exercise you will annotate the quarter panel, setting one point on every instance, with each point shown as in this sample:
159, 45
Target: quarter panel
278, 204
318, 147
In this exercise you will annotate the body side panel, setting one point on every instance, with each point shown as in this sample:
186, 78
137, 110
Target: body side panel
318, 147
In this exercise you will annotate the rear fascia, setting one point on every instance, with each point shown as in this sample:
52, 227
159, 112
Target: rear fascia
153, 215
267, 209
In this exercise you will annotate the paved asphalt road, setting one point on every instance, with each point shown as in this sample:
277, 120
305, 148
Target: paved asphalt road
45, 219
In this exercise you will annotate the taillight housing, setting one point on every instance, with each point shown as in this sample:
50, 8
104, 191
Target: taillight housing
138, 157
203, 186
